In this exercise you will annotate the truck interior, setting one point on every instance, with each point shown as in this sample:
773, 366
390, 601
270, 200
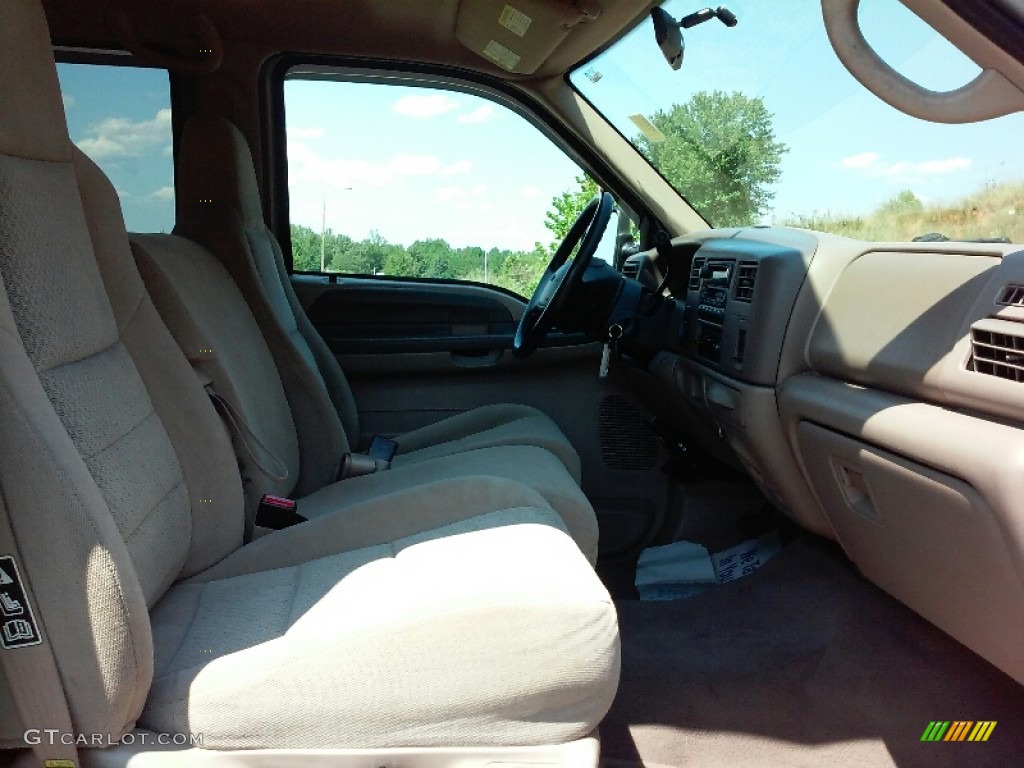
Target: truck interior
370, 369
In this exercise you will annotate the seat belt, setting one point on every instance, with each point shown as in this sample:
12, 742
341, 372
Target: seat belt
27, 660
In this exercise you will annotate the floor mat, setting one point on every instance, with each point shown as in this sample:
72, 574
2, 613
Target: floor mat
802, 663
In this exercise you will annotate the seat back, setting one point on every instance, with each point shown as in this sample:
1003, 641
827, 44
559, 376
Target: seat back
213, 325
117, 475
219, 208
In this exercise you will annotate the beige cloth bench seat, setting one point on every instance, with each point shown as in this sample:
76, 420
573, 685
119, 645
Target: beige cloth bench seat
215, 328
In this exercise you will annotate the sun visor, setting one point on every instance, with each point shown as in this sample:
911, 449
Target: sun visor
519, 36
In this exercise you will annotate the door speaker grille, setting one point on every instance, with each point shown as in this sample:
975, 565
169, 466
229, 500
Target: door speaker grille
627, 441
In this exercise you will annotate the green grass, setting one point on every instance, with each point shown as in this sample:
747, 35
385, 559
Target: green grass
997, 210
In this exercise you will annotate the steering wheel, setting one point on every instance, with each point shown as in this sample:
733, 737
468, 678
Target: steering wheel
560, 278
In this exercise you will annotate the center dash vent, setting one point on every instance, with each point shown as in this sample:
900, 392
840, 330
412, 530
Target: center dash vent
1012, 295
996, 352
746, 276
695, 268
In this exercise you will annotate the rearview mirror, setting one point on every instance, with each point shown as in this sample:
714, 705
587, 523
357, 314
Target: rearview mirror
668, 37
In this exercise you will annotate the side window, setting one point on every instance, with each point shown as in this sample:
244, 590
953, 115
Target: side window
422, 182
121, 118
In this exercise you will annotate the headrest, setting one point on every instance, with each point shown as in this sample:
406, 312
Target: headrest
215, 169
32, 123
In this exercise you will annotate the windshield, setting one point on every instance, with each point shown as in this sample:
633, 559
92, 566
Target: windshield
763, 125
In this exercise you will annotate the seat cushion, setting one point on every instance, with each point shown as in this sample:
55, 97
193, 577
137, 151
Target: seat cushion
535, 467
491, 425
441, 628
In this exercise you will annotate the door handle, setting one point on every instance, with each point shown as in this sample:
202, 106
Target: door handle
477, 358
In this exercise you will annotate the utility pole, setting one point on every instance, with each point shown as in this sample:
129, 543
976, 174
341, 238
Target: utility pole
323, 234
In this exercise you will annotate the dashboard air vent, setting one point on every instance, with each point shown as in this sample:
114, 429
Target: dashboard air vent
1012, 295
695, 268
996, 353
746, 275
631, 267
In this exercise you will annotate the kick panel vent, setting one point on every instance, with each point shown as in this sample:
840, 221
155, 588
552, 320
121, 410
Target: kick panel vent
695, 268
627, 441
746, 276
997, 353
1012, 295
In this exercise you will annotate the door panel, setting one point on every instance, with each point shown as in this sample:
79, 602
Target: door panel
360, 317
416, 352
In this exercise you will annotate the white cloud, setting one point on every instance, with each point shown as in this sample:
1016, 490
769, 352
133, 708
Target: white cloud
871, 164
447, 194
298, 132
863, 160
475, 207
68, 99
413, 165
163, 195
530, 193
457, 168
467, 199
478, 115
426, 106
307, 165
115, 137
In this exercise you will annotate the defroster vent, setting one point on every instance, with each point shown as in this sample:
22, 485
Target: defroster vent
627, 441
1012, 295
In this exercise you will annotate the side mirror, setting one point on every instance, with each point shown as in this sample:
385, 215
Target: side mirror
668, 37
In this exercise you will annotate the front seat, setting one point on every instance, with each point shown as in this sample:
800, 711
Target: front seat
215, 329
219, 208
456, 614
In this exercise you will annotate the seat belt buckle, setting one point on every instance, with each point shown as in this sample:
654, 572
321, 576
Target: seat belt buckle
359, 464
277, 512
383, 448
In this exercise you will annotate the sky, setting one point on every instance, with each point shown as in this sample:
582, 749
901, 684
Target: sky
121, 118
413, 163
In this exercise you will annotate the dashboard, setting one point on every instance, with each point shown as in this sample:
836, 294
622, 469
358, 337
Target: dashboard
875, 393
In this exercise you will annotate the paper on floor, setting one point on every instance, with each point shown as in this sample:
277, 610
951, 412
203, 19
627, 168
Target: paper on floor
684, 569
674, 571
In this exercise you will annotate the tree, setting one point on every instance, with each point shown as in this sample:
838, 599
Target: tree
720, 152
568, 206
305, 249
520, 272
905, 203
433, 258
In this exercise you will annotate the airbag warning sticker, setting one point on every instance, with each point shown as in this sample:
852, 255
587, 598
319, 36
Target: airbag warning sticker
499, 53
514, 20
17, 624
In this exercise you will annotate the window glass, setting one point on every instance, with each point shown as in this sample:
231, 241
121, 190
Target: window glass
121, 118
763, 125
422, 182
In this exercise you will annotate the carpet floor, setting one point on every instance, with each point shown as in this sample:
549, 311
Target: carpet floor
802, 663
